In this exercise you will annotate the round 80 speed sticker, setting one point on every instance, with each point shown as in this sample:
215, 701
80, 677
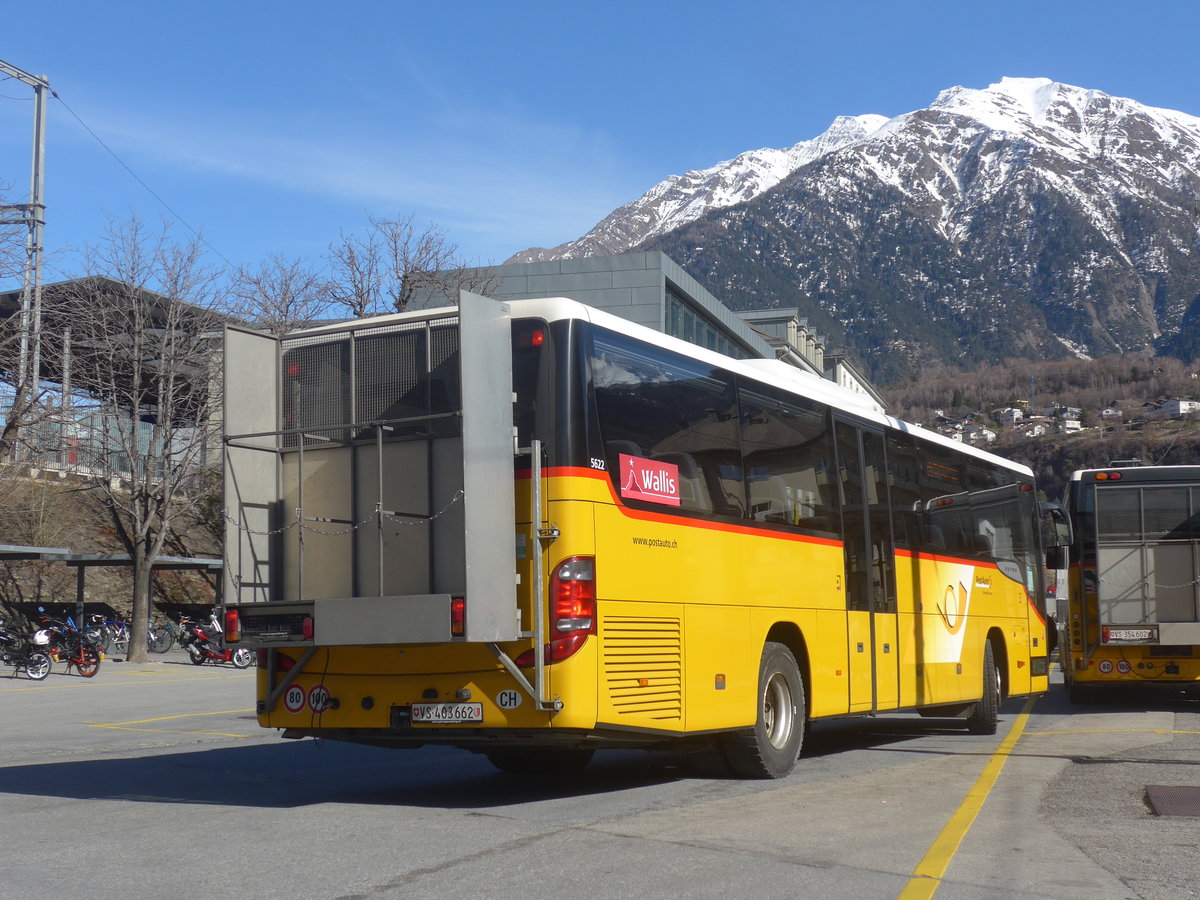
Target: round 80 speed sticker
294, 698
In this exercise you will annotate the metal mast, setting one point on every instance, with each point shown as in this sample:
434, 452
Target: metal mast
33, 216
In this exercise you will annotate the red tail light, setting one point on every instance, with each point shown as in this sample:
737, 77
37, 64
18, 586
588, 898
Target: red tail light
233, 626
283, 662
458, 616
572, 610
306, 628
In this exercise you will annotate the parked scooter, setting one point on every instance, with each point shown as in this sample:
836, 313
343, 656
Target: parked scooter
20, 651
206, 643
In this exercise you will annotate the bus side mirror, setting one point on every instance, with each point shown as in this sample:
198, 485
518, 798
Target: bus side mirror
1056, 558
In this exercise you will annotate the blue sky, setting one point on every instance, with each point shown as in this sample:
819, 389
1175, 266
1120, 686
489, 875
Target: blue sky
270, 127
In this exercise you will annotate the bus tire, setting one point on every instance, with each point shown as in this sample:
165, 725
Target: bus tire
539, 761
984, 718
770, 748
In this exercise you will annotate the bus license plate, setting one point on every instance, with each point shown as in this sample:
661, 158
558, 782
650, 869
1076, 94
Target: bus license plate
446, 713
1129, 634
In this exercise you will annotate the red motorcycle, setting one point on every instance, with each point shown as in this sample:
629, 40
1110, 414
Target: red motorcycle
206, 643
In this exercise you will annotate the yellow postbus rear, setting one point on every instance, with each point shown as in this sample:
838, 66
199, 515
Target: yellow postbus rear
1132, 612
534, 530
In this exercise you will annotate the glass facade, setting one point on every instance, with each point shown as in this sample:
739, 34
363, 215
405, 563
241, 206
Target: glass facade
684, 321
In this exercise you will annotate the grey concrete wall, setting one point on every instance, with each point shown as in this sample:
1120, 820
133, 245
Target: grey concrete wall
630, 285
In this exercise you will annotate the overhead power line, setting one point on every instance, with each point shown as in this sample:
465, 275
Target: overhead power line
138, 178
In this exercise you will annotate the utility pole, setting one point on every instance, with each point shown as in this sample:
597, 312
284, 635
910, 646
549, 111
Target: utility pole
32, 215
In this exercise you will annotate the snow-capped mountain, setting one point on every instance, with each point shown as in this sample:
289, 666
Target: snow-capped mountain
1029, 218
680, 199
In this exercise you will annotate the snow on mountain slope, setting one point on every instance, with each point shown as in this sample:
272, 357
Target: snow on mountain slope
683, 198
1077, 125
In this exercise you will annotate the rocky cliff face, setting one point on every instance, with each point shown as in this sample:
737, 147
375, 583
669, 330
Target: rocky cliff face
1030, 219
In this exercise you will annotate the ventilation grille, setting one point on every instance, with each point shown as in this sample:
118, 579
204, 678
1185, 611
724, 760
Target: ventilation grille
643, 666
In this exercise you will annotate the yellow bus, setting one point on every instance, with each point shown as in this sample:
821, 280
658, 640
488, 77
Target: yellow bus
534, 530
1131, 615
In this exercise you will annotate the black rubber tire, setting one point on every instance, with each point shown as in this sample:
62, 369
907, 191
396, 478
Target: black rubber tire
37, 665
985, 717
160, 640
196, 655
87, 660
770, 748
539, 760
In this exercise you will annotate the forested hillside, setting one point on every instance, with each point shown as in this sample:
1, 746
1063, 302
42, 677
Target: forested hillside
1133, 385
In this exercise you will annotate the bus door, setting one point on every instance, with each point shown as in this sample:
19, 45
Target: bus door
870, 563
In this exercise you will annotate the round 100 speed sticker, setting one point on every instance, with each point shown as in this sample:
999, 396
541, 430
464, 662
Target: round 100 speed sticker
318, 698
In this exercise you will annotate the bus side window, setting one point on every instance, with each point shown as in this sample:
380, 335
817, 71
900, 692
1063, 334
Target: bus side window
658, 405
693, 493
786, 446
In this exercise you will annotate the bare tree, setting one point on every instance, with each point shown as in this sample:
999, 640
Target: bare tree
357, 282
281, 294
396, 266
145, 335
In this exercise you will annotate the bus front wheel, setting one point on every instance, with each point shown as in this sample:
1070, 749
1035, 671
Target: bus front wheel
770, 747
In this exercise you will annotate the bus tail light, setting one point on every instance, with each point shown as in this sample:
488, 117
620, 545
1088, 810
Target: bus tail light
233, 626
283, 662
458, 616
572, 610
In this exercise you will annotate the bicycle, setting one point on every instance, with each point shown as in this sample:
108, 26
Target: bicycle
160, 635
116, 635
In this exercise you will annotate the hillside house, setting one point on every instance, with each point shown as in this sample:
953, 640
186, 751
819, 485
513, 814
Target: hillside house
978, 434
1177, 409
1009, 415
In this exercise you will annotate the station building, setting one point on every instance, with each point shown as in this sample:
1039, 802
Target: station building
653, 290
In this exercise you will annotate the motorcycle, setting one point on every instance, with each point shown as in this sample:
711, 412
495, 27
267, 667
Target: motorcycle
22, 652
206, 643
63, 642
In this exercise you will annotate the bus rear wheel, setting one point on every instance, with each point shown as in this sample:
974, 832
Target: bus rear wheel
770, 747
984, 718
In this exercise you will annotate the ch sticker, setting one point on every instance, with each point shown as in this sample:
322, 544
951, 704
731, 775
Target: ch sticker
508, 699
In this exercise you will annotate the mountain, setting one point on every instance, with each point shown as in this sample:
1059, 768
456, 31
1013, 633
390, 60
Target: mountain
683, 198
1030, 219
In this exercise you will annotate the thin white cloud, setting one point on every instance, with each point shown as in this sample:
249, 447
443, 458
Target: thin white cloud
490, 174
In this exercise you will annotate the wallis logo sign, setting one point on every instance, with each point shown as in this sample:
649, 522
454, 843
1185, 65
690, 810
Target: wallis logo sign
649, 479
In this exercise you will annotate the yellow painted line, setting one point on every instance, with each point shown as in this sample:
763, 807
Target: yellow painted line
219, 712
77, 683
170, 731
1110, 731
128, 726
927, 876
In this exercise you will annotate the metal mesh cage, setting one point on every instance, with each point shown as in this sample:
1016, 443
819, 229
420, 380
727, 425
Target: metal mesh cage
405, 376
316, 392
